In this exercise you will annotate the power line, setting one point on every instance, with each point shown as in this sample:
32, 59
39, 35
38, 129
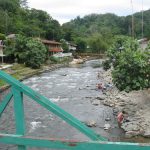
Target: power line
132, 19
142, 21
6, 20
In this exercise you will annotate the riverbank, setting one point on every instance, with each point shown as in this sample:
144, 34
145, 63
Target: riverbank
136, 104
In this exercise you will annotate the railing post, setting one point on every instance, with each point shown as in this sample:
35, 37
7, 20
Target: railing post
19, 114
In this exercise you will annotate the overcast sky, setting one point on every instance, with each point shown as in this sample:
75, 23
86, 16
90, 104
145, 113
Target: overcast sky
65, 10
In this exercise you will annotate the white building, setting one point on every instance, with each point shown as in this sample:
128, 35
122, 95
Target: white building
1, 50
72, 47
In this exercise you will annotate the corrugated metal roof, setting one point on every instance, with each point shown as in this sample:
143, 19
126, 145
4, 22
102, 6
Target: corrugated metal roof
50, 42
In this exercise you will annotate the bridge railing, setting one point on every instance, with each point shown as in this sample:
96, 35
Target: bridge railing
22, 141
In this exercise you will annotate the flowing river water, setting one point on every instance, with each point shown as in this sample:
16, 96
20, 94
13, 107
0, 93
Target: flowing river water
72, 88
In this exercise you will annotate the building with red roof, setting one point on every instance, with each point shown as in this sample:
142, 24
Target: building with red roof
53, 46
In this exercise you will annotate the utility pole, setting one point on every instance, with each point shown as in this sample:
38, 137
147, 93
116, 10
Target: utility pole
132, 20
53, 34
6, 22
142, 22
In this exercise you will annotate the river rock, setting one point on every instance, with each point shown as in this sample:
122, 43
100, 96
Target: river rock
130, 126
147, 133
107, 126
108, 103
121, 98
95, 102
115, 111
102, 97
121, 104
130, 134
91, 123
107, 119
89, 97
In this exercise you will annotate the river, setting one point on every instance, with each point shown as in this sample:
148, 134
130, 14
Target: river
72, 88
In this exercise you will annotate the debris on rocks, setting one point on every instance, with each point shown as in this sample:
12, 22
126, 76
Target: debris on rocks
91, 123
107, 126
135, 103
95, 102
107, 119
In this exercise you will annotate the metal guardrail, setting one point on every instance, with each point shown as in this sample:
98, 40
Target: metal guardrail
23, 142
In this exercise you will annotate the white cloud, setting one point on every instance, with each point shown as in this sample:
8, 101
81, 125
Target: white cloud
65, 10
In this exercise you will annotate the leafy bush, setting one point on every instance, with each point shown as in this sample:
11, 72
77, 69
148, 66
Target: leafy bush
106, 64
2, 36
131, 65
120, 44
17, 47
81, 44
98, 45
148, 47
36, 53
54, 59
64, 46
26, 50
20, 49
132, 71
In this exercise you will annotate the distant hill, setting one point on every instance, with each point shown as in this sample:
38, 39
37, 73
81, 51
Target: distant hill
109, 23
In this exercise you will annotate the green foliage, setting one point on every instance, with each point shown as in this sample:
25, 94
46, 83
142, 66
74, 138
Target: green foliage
10, 47
148, 47
26, 50
106, 64
16, 47
64, 46
20, 50
106, 26
97, 44
68, 33
17, 18
131, 65
2, 36
120, 44
81, 44
54, 59
23, 3
36, 53
132, 71
9, 5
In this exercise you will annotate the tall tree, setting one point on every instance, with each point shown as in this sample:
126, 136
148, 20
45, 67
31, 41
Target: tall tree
24, 3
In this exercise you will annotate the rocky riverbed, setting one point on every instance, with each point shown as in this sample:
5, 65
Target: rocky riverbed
136, 104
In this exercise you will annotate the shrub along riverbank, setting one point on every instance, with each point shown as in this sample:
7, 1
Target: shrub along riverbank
131, 64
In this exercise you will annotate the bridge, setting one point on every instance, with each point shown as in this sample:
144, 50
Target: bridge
19, 138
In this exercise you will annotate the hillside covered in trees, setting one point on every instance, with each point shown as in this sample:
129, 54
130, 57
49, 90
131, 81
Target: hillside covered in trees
17, 18
98, 30
109, 24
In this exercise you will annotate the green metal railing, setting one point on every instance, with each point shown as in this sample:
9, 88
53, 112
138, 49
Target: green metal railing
22, 141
